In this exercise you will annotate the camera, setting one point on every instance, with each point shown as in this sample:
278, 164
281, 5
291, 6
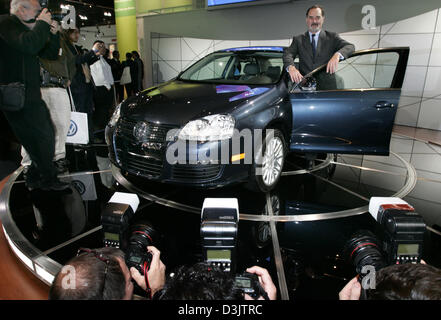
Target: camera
219, 224
219, 227
401, 241
119, 231
364, 249
142, 235
249, 284
403, 229
53, 7
47, 80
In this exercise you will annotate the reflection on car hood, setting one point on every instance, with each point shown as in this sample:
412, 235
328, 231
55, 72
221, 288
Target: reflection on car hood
178, 102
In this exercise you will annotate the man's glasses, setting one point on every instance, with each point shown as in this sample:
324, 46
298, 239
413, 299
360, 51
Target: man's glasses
99, 256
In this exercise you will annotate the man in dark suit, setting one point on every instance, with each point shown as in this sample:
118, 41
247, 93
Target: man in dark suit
315, 47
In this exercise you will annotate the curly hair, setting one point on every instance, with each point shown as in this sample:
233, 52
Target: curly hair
200, 282
408, 282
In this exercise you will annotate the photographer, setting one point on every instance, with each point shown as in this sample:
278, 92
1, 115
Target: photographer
400, 282
56, 78
25, 36
102, 274
205, 282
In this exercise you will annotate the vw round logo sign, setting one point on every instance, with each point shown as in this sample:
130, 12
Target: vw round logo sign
79, 186
73, 128
140, 131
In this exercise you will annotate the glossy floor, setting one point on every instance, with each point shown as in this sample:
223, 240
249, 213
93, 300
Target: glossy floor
298, 232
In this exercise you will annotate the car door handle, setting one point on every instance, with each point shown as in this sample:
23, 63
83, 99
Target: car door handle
384, 104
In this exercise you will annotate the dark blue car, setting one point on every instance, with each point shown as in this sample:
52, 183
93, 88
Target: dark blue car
234, 115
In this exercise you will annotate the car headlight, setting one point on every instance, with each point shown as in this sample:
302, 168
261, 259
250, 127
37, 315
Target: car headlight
209, 128
115, 117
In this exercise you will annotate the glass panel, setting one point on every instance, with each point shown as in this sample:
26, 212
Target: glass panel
237, 68
375, 70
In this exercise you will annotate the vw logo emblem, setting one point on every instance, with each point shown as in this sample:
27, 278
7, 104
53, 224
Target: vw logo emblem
81, 188
140, 131
73, 128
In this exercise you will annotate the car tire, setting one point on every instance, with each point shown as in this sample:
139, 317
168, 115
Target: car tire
267, 166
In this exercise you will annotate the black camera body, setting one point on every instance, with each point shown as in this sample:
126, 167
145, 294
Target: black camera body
219, 224
54, 8
402, 237
136, 255
47, 80
248, 283
116, 219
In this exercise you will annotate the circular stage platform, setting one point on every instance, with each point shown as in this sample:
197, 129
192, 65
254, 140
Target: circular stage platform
297, 231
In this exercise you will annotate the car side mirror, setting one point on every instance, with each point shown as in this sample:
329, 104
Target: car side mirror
308, 84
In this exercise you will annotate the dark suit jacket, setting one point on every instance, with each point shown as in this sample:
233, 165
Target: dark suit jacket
328, 44
20, 48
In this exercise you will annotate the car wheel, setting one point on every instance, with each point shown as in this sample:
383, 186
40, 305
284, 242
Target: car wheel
269, 160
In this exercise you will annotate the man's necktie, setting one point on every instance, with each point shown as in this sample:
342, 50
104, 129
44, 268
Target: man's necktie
313, 44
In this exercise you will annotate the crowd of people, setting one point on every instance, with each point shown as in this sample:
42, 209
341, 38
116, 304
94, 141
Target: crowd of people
101, 274
59, 77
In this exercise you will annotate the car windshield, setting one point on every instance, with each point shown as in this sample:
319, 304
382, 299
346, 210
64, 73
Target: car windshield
239, 67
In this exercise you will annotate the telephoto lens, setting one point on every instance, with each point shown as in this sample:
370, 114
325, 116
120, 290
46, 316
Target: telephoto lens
142, 235
362, 250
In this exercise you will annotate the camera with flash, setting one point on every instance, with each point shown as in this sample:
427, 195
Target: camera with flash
403, 229
219, 225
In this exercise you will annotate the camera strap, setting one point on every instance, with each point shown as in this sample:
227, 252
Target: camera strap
146, 277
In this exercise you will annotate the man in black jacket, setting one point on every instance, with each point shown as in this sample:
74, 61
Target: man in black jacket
25, 36
138, 86
315, 47
82, 85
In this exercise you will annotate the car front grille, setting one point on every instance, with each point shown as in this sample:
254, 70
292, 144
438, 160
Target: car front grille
200, 172
156, 133
145, 158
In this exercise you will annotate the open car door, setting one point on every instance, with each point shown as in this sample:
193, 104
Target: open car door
353, 110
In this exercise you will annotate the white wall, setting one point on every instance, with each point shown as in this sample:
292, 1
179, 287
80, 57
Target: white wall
420, 104
89, 33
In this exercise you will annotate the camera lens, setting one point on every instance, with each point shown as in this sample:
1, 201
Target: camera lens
362, 250
142, 235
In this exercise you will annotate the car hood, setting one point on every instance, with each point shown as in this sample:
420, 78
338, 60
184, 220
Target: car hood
178, 102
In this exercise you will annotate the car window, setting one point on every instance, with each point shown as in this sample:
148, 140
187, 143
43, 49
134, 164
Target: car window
212, 70
237, 68
375, 70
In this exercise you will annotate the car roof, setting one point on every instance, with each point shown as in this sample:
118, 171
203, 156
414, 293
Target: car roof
256, 48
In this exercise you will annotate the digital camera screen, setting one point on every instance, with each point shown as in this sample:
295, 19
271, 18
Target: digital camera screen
218, 255
135, 259
408, 249
243, 283
111, 236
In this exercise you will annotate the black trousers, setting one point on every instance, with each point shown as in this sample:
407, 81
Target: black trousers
119, 92
34, 129
104, 105
130, 89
